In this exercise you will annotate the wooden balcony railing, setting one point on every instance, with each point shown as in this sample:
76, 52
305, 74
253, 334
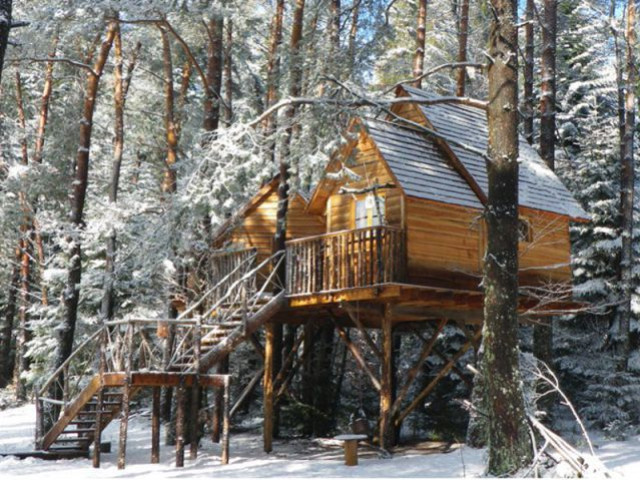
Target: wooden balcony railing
348, 259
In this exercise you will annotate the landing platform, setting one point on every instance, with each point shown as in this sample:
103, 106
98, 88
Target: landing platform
163, 379
410, 303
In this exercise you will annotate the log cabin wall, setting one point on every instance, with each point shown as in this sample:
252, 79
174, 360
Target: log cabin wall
546, 254
371, 168
257, 227
443, 244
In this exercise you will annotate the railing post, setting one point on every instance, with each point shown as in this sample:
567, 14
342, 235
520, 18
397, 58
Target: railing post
195, 392
245, 307
97, 435
226, 422
39, 422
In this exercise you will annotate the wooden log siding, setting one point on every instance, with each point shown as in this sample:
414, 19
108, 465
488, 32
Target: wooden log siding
348, 259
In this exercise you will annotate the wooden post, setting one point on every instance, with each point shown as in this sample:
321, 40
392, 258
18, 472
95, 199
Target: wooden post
351, 453
226, 422
97, 435
180, 423
155, 426
39, 422
195, 396
267, 429
124, 422
218, 395
386, 376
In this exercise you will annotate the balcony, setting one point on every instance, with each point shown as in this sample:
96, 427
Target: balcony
348, 259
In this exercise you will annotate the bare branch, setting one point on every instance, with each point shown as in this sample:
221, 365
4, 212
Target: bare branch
68, 61
452, 65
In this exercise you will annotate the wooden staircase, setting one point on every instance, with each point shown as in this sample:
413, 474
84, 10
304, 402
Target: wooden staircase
129, 355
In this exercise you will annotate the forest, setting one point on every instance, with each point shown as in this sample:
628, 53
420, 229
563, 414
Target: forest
134, 134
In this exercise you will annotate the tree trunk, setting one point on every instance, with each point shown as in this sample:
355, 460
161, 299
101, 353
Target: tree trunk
228, 75
528, 72
509, 443
273, 74
353, 36
627, 179
462, 47
120, 86
5, 28
418, 56
548, 85
23, 335
9, 312
214, 74
169, 183
79, 190
543, 333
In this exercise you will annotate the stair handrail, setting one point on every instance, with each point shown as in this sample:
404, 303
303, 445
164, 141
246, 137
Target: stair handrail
245, 304
42, 391
247, 276
220, 283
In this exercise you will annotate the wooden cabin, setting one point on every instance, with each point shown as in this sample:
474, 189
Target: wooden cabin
393, 238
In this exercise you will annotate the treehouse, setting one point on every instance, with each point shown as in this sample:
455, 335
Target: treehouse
391, 240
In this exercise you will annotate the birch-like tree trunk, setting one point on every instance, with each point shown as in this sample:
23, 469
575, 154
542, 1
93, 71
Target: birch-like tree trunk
228, 75
71, 293
5, 28
509, 442
418, 56
627, 180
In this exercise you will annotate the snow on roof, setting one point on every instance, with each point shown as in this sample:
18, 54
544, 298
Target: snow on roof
419, 165
539, 187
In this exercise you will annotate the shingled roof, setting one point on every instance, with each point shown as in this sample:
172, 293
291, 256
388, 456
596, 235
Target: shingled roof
540, 188
417, 163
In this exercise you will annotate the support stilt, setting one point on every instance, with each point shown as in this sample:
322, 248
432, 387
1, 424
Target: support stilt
269, 368
155, 426
226, 422
194, 424
180, 414
386, 380
223, 368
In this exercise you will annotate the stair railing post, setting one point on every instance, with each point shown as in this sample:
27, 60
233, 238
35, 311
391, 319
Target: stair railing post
65, 386
195, 391
226, 422
97, 434
124, 422
245, 300
39, 422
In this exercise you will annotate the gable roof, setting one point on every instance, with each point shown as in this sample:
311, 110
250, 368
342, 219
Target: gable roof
539, 187
418, 164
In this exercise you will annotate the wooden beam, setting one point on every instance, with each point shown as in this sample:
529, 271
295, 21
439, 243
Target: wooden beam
357, 355
284, 371
427, 390
226, 423
355, 318
413, 373
247, 391
386, 376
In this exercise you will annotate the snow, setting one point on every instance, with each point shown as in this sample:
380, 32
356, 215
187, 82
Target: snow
290, 458
293, 458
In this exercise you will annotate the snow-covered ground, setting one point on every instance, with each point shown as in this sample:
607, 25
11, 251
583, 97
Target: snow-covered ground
299, 458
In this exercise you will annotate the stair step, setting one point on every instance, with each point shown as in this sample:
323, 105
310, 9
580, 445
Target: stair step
82, 422
78, 430
72, 440
68, 449
103, 403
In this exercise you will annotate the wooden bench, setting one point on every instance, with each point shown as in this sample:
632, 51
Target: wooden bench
350, 444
